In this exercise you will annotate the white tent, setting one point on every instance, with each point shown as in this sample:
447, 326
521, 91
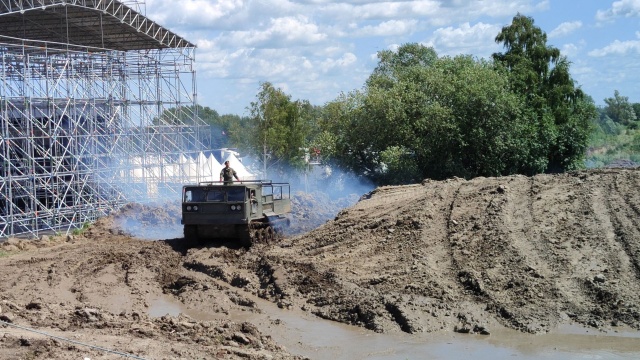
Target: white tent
224, 154
203, 168
213, 168
242, 171
213, 164
203, 173
188, 166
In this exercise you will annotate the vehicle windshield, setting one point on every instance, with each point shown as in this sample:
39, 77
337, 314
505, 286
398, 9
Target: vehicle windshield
215, 195
193, 195
235, 194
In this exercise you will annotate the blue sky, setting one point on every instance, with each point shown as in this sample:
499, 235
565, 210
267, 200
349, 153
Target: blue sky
316, 49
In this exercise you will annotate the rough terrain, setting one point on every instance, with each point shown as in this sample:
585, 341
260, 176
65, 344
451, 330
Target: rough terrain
528, 253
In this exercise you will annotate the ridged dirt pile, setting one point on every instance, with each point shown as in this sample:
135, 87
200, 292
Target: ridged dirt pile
529, 253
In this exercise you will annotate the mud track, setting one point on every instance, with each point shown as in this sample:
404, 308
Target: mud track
528, 253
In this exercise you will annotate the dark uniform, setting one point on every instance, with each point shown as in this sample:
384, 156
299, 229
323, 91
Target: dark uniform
227, 174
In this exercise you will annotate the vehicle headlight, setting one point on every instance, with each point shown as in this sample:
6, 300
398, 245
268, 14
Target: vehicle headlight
188, 207
239, 207
233, 207
195, 207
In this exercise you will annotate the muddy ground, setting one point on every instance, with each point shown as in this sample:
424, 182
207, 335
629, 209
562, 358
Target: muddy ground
456, 256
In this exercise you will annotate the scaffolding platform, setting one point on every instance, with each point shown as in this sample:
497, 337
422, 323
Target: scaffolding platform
97, 109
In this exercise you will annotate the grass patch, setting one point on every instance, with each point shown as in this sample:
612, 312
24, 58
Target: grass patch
608, 146
81, 229
3, 253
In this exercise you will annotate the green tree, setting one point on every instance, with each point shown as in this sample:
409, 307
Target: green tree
181, 115
636, 109
391, 64
350, 138
464, 120
432, 117
562, 113
619, 109
277, 127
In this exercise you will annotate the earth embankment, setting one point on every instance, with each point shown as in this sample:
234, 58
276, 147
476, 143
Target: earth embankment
526, 252
529, 253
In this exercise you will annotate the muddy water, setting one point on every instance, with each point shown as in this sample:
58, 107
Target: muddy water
318, 339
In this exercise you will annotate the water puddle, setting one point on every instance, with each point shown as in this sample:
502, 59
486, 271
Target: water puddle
306, 335
164, 306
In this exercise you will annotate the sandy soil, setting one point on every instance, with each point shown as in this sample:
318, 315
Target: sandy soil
528, 253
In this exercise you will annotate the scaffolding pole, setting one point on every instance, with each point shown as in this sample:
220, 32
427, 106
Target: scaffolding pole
84, 131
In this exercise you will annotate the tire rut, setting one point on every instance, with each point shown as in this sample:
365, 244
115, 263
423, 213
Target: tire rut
625, 214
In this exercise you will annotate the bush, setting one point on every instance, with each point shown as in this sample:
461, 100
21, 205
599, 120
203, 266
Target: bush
398, 165
81, 229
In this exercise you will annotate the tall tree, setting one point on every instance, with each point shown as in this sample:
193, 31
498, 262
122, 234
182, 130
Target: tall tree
636, 109
619, 109
433, 117
277, 128
391, 64
563, 114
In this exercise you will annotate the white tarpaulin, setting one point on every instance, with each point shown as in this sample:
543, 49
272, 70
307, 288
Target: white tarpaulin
189, 166
202, 168
242, 172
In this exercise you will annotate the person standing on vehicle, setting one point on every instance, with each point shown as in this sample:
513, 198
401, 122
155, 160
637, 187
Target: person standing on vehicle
227, 174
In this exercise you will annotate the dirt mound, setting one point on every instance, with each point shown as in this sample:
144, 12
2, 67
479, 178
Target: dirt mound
526, 252
623, 163
150, 221
311, 210
93, 292
529, 253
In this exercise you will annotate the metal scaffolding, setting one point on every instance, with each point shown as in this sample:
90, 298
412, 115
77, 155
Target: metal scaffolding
97, 108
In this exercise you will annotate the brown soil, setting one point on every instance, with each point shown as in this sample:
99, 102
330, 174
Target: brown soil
529, 253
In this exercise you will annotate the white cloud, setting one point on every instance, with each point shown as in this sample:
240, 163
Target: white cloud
330, 65
617, 48
284, 65
335, 18
389, 28
297, 29
221, 63
390, 10
582, 71
459, 11
569, 50
344, 14
194, 12
565, 28
316, 49
622, 8
478, 39
280, 32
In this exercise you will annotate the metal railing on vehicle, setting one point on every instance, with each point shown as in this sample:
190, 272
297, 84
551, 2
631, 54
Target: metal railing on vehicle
284, 187
242, 182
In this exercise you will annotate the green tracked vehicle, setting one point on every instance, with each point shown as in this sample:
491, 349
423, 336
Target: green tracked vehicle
248, 211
